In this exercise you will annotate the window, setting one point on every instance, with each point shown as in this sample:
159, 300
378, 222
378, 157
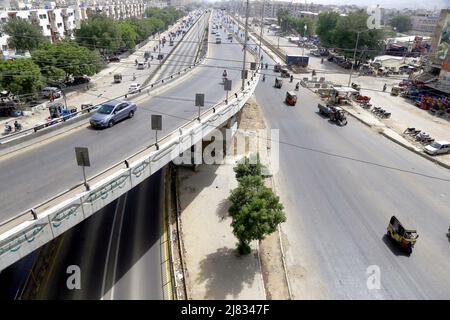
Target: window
59, 25
42, 16
48, 27
4, 19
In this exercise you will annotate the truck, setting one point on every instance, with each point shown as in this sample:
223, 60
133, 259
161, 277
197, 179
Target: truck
297, 59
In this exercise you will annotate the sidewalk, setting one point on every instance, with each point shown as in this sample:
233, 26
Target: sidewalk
101, 86
213, 269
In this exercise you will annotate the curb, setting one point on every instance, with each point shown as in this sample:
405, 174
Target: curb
400, 143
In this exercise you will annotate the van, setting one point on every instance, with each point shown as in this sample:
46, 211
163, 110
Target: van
48, 92
141, 66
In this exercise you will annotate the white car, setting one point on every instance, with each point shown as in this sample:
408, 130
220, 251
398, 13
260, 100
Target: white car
134, 87
438, 147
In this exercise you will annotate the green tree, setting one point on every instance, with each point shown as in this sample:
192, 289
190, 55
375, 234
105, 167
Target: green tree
99, 33
325, 26
248, 166
256, 211
23, 35
20, 76
345, 34
66, 58
128, 34
401, 22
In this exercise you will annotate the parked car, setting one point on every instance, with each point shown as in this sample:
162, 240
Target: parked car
134, 87
48, 92
114, 59
109, 113
80, 80
438, 147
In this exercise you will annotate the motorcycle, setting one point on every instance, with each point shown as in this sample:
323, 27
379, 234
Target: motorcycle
7, 130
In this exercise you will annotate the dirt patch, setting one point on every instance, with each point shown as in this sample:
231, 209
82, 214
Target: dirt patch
251, 118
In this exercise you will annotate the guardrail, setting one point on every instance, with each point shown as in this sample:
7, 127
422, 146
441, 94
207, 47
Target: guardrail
15, 137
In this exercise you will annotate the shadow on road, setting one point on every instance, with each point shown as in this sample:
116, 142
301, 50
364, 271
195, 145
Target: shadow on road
394, 247
225, 274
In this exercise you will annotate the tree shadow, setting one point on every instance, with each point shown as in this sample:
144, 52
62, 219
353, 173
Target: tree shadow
225, 274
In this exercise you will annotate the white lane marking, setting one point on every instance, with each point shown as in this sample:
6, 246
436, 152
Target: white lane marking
108, 251
118, 244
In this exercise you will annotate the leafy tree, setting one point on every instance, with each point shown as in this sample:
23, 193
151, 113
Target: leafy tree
402, 23
21, 76
23, 35
345, 35
99, 32
128, 34
248, 166
66, 58
256, 212
326, 23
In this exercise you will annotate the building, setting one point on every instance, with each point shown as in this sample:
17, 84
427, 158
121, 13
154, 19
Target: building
424, 23
438, 72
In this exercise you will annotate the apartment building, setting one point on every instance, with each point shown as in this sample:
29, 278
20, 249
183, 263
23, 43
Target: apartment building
424, 23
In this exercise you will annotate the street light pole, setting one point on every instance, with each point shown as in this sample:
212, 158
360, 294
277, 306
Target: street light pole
261, 31
354, 58
245, 46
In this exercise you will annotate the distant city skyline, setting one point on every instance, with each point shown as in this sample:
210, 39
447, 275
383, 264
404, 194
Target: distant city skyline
397, 4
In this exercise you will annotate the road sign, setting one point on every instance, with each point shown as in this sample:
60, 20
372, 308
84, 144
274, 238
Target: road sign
82, 154
199, 99
227, 85
156, 122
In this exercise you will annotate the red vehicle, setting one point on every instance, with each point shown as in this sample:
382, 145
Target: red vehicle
291, 98
361, 98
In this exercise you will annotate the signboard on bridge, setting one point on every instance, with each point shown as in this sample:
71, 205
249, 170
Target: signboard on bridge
156, 122
82, 154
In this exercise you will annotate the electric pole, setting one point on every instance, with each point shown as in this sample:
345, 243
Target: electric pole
245, 46
261, 31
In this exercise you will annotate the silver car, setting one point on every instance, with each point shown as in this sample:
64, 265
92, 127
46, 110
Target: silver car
438, 147
109, 113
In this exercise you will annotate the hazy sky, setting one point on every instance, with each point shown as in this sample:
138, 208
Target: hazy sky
413, 4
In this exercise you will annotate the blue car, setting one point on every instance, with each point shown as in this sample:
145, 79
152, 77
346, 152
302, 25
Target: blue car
109, 113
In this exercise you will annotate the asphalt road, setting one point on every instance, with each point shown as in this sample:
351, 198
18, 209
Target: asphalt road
36, 173
339, 189
118, 250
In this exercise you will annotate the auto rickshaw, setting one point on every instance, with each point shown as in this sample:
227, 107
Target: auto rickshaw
404, 237
285, 73
291, 98
278, 83
395, 91
117, 78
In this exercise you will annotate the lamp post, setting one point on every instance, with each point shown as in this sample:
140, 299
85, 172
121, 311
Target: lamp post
354, 55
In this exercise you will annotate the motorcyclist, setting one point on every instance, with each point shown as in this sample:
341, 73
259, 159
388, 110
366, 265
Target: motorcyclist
8, 127
314, 72
297, 86
224, 74
264, 77
321, 60
135, 62
17, 126
267, 65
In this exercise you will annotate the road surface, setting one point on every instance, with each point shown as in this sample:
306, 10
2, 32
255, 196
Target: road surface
339, 191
